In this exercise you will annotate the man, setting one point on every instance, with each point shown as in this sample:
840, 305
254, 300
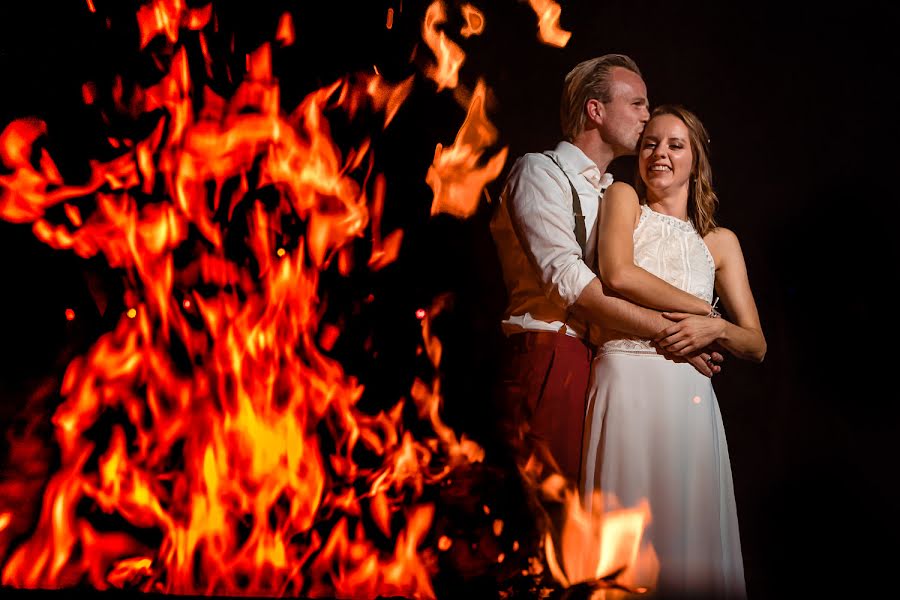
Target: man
545, 235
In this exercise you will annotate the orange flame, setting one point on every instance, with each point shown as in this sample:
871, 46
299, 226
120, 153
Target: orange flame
233, 439
474, 20
454, 177
449, 56
168, 17
549, 31
285, 32
214, 379
603, 543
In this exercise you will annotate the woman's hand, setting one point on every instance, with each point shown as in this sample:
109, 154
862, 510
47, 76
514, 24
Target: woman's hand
689, 334
708, 362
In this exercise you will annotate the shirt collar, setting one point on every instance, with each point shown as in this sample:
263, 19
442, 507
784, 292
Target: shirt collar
577, 161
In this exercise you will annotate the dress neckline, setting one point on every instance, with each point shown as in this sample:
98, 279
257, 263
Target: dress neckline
680, 223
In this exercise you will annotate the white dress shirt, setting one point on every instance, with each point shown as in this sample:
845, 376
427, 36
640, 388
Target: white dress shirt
534, 233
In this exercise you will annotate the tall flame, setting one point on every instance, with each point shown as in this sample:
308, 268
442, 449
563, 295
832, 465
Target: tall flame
454, 175
233, 459
208, 443
603, 545
549, 31
449, 56
168, 17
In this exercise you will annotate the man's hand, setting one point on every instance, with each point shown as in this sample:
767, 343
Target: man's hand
689, 334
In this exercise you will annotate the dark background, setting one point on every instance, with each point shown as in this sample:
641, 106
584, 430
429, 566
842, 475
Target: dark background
796, 100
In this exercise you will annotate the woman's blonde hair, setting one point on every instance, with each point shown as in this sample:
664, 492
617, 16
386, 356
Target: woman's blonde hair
702, 199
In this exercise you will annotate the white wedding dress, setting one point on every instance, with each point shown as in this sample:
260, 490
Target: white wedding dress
653, 430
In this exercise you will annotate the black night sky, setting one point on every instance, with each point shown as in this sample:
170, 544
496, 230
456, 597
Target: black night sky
796, 100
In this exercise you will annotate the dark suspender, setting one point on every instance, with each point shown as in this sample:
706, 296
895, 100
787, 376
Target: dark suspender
580, 232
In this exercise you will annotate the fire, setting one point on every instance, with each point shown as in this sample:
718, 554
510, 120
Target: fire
450, 57
474, 20
168, 17
595, 544
454, 177
549, 31
208, 443
285, 33
214, 386
601, 544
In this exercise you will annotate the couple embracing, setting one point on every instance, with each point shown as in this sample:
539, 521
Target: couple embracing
612, 333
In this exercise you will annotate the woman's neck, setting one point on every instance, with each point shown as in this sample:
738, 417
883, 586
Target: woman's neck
674, 203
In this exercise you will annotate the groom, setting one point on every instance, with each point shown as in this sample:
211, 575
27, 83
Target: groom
545, 235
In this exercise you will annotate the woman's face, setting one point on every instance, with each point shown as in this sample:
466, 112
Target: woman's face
665, 158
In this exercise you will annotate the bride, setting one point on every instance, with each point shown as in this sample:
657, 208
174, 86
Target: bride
653, 428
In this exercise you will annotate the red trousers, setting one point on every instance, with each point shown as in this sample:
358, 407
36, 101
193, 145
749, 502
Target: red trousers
544, 381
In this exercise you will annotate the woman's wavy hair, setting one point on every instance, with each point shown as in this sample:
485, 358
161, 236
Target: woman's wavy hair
702, 199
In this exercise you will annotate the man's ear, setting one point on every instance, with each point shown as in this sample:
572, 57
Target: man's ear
595, 110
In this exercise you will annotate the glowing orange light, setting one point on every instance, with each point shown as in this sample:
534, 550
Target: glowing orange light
70, 314
285, 33
90, 4
444, 543
73, 213
474, 20
549, 31
455, 175
238, 391
390, 18
168, 17
449, 56
600, 537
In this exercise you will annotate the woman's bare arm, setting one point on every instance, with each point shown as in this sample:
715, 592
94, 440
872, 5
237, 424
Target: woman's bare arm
743, 337
619, 214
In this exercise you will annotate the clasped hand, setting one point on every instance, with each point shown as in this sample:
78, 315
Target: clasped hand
689, 334
689, 339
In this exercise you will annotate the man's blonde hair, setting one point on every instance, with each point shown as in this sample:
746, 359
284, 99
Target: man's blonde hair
588, 79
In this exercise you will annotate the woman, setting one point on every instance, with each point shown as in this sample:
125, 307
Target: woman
653, 426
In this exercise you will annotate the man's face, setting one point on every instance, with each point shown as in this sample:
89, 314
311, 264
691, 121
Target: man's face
626, 113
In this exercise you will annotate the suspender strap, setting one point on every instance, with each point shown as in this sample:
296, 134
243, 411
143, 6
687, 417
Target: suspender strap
580, 232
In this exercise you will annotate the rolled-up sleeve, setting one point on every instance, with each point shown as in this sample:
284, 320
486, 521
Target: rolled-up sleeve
539, 202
